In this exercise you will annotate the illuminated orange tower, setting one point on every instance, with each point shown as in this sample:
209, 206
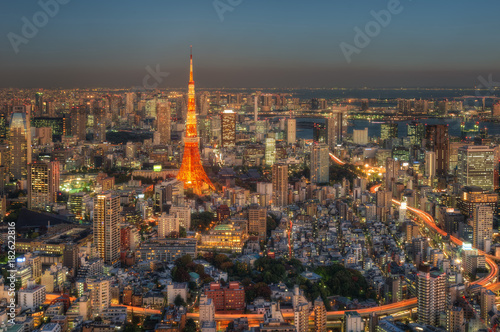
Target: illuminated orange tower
192, 173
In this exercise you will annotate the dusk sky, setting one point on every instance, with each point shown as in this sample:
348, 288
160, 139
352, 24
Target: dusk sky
260, 43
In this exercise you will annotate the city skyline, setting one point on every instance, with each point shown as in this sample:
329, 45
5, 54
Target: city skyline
250, 44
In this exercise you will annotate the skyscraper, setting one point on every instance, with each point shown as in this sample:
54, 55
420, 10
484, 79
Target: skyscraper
335, 128
163, 121
391, 173
430, 164
415, 132
257, 221
291, 131
43, 184
280, 184
437, 140
388, 131
320, 163
482, 225
431, 296
475, 166
78, 116
228, 128
20, 143
270, 151
99, 124
191, 172
107, 228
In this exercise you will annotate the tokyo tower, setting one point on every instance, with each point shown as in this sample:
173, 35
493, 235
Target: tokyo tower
191, 172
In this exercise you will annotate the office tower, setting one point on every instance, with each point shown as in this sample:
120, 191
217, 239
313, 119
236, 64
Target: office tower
388, 131
191, 172
75, 205
360, 136
280, 184
455, 319
167, 224
270, 151
78, 116
430, 164
431, 295
257, 221
352, 322
482, 225
99, 124
20, 144
291, 131
43, 184
475, 167
163, 121
415, 132
320, 163
437, 140
107, 228
228, 129
319, 315
207, 310
335, 128
301, 317
487, 303
452, 219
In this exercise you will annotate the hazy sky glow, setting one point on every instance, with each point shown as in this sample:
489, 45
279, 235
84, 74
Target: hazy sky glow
260, 43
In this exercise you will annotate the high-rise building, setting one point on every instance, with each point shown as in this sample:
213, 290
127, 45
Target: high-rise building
319, 315
228, 124
391, 173
291, 131
360, 136
320, 163
163, 121
388, 131
257, 221
301, 317
107, 227
471, 197
482, 225
129, 103
476, 165
20, 143
78, 116
437, 140
487, 303
99, 124
415, 132
455, 319
270, 151
43, 184
335, 125
430, 164
431, 295
280, 184
100, 294
183, 213
191, 172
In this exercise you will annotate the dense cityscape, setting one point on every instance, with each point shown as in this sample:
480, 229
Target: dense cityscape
244, 209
